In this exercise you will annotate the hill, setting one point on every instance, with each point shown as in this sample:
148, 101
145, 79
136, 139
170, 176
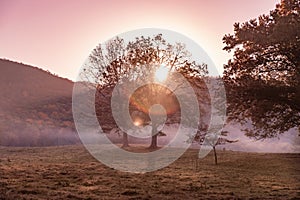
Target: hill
35, 107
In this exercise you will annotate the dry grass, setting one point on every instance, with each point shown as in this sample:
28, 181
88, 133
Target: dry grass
70, 172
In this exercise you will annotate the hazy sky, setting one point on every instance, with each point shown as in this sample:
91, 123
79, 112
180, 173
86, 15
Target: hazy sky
58, 35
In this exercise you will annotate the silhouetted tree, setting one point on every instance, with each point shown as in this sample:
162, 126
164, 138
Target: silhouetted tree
210, 133
212, 140
263, 77
112, 62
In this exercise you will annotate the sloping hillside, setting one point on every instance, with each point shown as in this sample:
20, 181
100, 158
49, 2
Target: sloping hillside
35, 107
22, 84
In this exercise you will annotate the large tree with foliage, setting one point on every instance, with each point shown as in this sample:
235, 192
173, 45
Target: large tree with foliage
135, 61
263, 77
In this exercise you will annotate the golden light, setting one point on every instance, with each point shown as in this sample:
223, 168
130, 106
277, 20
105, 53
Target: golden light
161, 73
137, 122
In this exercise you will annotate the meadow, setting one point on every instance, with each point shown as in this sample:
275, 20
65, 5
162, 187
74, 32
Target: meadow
70, 172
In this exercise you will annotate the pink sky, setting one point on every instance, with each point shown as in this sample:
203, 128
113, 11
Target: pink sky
58, 35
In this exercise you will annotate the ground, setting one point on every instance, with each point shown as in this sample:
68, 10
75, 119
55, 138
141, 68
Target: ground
70, 172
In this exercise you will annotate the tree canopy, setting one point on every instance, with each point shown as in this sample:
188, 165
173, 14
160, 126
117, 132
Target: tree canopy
136, 61
263, 77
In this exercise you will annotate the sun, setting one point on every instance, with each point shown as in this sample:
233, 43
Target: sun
161, 73
136, 123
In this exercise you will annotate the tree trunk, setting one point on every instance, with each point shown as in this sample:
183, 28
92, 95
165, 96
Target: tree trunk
215, 153
125, 140
153, 142
154, 137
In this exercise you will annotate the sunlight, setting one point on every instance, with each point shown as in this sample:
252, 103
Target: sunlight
137, 122
161, 73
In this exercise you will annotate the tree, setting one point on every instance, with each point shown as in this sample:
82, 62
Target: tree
213, 110
118, 62
212, 140
144, 98
263, 78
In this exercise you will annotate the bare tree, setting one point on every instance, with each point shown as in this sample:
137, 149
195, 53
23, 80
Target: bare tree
212, 140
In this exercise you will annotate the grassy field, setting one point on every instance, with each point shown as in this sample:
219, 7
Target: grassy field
70, 172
